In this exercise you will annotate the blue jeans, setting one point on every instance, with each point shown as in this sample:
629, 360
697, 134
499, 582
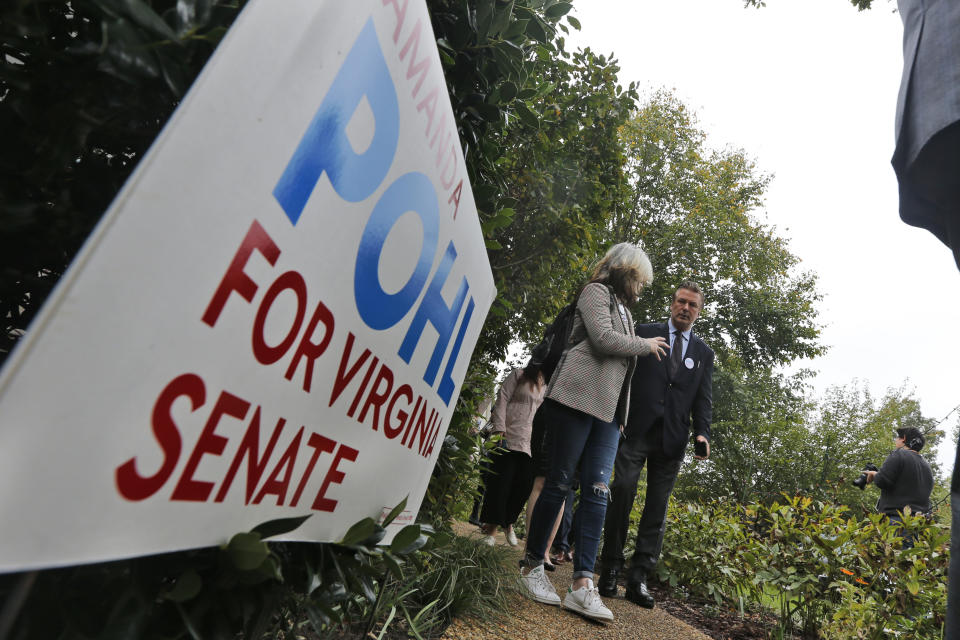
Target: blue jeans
562, 540
578, 437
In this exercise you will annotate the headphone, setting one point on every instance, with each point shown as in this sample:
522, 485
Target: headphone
916, 443
913, 439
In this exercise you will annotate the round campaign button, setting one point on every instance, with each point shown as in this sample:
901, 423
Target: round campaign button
689, 363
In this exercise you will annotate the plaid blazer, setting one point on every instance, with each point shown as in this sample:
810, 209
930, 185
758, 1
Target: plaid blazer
593, 374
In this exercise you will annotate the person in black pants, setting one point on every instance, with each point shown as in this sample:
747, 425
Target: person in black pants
664, 396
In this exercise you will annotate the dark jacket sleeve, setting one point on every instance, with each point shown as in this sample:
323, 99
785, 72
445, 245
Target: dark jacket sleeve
886, 478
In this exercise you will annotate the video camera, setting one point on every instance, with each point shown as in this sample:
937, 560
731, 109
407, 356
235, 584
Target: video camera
861, 482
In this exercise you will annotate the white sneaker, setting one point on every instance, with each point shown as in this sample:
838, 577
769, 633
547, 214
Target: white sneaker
489, 540
586, 601
538, 587
511, 537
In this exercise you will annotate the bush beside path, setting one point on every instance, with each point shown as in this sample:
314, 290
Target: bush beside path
530, 620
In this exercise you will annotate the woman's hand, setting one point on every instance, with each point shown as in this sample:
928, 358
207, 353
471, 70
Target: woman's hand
658, 345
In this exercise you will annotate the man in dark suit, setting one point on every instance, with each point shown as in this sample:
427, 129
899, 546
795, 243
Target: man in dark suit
665, 394
927, 162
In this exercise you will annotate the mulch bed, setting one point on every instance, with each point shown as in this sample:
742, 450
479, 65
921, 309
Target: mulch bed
719, 623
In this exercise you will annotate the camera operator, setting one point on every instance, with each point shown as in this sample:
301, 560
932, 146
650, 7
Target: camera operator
905, 478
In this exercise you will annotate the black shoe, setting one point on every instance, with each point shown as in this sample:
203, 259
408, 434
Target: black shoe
608, 582
637, 594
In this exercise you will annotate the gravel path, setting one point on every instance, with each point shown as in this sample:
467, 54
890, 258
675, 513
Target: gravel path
529, 620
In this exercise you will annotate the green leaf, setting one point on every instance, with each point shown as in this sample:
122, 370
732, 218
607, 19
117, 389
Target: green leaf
536, 31
386, 623
396, 511
393, 565
404, 538
516, 28
127, 54
359, 532
419, 543
188, 585
374, 538
247, 551
488, 112
279, 526
501, 18
440, 540
546, 88
142, 14
574, 22
485, 9
527, 115
368, 588
192, 15
558, 10
271, 570
508, 91
319, 617
337, 592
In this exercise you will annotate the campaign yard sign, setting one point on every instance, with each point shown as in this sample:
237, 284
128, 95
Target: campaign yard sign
274, 317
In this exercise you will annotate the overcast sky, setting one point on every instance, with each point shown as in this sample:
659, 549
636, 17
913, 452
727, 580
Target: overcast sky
808, 89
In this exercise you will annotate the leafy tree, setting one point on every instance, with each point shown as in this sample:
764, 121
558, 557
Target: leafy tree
770, 439
861, 5
544, 183
852, 429
564, 178
85, 87
759, 434
539, 126
693, 208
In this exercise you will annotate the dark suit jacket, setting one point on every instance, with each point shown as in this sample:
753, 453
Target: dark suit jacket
682, 402
927, 155
929, 98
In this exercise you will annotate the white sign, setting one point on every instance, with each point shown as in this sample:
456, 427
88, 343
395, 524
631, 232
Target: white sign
274, 317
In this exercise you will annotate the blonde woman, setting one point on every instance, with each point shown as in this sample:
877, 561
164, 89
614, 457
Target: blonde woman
586, 407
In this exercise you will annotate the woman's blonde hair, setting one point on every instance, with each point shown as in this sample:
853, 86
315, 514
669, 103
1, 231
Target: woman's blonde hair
626, 268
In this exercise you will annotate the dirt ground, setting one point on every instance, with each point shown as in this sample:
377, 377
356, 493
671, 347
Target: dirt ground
669, 620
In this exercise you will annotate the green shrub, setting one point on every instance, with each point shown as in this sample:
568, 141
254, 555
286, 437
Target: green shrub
253, 589
823, 572
709, 552
889, 591
459, 579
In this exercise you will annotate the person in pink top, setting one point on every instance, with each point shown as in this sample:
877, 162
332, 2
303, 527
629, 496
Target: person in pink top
511, 472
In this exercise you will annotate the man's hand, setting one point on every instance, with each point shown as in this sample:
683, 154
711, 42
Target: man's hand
869, 475
704, 440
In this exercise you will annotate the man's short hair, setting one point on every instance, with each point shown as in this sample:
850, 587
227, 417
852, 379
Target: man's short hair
912, 437
689, 285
